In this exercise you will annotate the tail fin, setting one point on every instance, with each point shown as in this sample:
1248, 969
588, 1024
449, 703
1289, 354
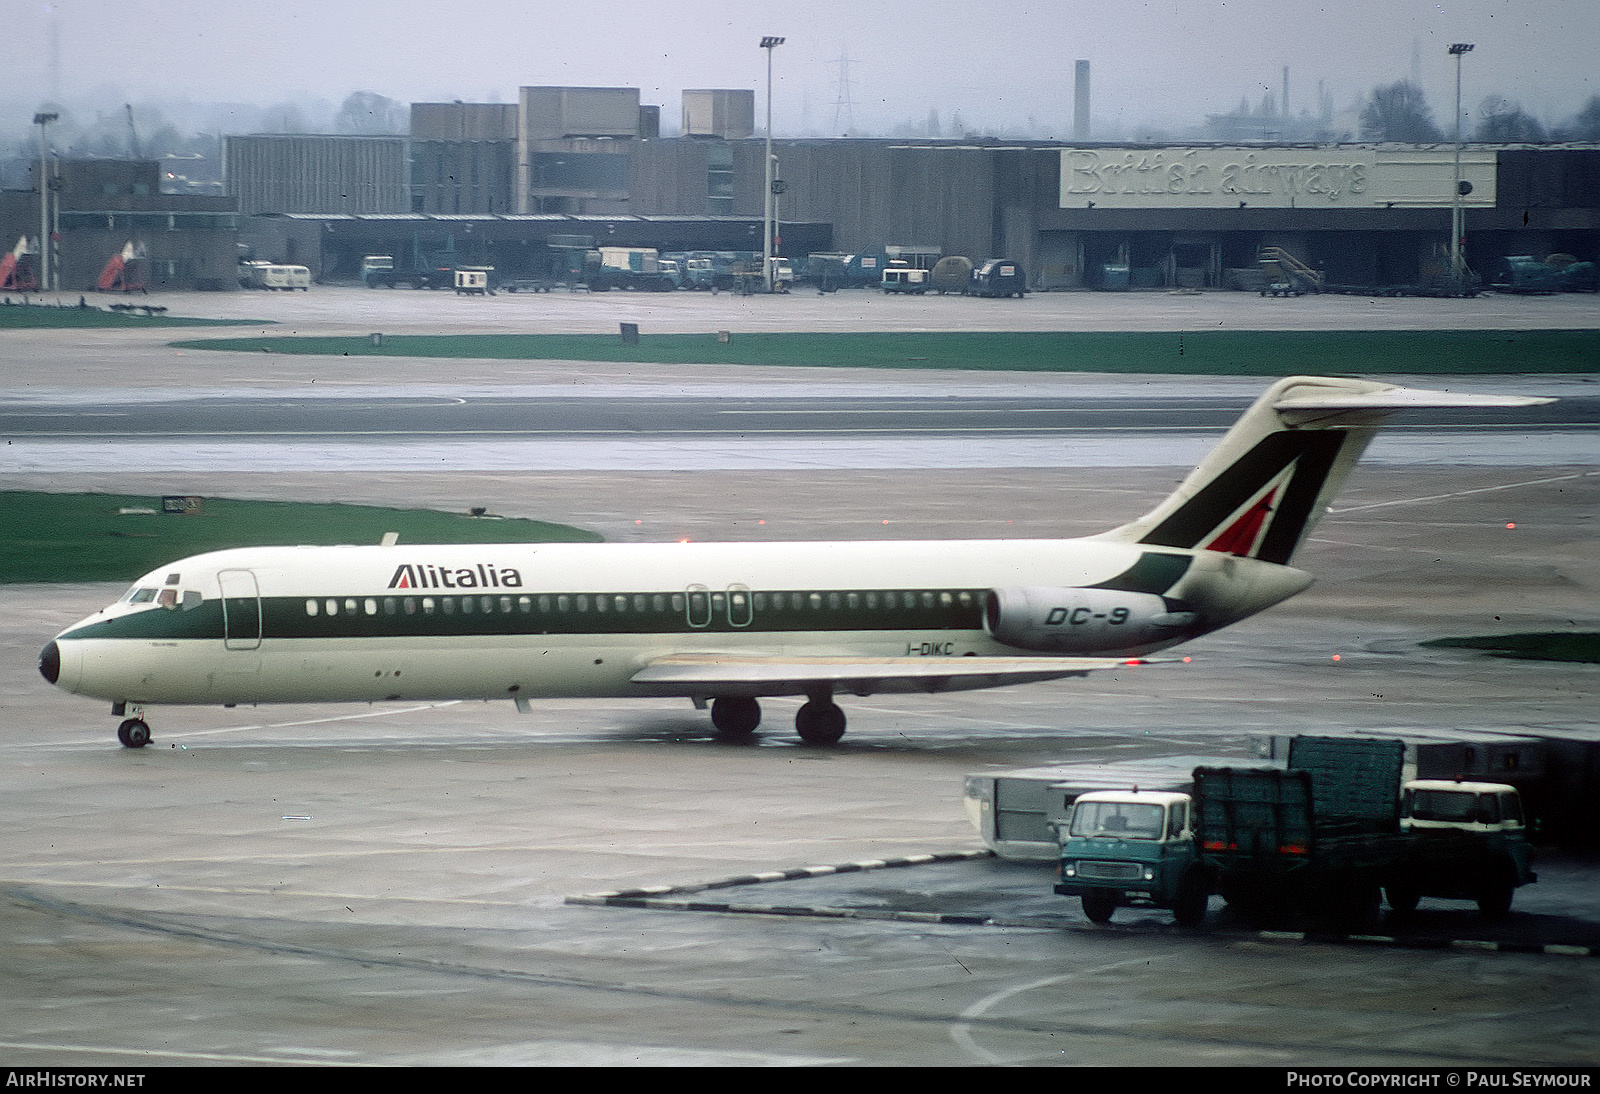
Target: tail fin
1260, 492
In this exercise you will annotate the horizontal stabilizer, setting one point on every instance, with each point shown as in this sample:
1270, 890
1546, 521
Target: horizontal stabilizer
1304, 406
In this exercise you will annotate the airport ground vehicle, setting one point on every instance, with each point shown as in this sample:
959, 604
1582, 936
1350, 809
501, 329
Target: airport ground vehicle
18, 271
830, 270
377, 270
271, 275
380, 270
1467, 841
905, 279
1127, 845
997, 277
626, 268
474, 280
782, 274
951, 274
1530, 275
1324, 837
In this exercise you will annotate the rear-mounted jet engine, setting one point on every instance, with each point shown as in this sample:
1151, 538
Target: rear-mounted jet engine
1065, 620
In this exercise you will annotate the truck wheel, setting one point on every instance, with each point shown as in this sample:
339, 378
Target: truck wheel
1099, 906
1364, 907
1494, 899
1190, 908
1402, 898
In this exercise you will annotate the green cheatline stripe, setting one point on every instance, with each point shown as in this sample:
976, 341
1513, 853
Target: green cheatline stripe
1221, 353
1534, 646
502, 613
87, 537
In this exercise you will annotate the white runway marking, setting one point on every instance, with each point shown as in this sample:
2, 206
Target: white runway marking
854, 450
961, 1031
1461, 493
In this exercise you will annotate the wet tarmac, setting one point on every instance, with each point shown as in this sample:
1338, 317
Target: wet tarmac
416, 885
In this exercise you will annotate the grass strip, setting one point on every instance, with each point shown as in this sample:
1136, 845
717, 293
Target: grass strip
45, 317
1581, 646
1212, 353
118, 537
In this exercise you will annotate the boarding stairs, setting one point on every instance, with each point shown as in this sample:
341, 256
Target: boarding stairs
1286, 274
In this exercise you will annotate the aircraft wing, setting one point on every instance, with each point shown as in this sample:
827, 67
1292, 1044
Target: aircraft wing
735, 674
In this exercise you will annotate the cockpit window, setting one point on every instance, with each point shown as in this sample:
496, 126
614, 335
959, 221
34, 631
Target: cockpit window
141, 596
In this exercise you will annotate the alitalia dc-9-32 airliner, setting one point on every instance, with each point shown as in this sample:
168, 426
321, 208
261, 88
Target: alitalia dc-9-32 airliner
726, 624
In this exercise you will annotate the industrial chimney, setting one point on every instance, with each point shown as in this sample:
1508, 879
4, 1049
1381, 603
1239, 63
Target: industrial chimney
1080, 102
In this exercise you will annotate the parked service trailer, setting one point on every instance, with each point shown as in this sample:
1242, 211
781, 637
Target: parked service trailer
1017, 811
905, 279
997, 277
473, 281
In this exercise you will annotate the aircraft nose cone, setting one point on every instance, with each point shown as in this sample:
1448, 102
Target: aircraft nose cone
50, 662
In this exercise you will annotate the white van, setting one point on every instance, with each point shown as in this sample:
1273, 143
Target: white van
269, 275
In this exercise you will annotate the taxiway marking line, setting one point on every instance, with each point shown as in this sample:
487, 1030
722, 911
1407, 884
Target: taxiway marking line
961, 1030
1462, 493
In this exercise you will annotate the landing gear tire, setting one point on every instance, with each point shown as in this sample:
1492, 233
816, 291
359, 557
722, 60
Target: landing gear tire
735, 716
133, 733
820, 722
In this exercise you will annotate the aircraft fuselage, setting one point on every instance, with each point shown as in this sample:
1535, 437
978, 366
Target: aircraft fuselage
305, 624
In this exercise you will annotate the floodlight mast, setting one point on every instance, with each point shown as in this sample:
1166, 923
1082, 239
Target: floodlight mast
768, 43
1457, 269
42, 120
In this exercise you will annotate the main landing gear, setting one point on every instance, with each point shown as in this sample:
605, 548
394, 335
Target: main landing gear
134, 732
819, 721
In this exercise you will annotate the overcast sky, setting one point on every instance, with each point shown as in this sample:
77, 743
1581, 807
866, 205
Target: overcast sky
1160, 61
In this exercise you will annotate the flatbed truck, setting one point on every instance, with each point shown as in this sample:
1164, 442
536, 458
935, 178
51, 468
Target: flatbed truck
1327, 838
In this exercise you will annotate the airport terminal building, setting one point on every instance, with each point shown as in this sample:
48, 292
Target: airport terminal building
512, 184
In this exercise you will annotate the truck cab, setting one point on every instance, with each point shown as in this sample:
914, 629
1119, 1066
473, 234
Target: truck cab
1468, 842
377, 270
782, 274
1124, 847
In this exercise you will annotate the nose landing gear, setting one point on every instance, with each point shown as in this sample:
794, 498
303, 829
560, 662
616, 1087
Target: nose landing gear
134, 732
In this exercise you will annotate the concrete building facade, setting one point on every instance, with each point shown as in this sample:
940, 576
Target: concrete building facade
463, 158
273, 173
1078, 215
182, 241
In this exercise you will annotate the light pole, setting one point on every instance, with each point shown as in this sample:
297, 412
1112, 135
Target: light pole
42, 120
769, 43
1456, 227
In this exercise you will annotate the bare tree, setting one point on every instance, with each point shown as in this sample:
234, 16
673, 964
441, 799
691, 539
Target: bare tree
369, 113
1399, 112
1503, 121
1585, 125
